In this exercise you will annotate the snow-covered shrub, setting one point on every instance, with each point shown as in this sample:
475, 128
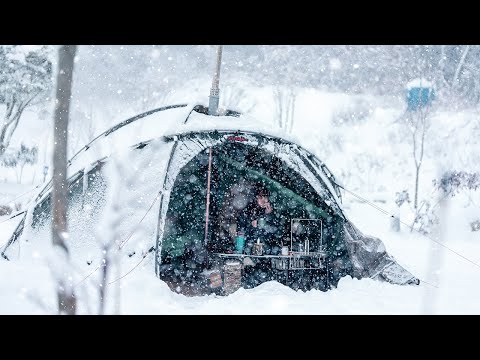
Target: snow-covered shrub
453, 182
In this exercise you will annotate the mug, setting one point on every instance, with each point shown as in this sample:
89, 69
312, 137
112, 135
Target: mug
239, 243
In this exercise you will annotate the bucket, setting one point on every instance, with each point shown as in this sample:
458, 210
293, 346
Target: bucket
232, 276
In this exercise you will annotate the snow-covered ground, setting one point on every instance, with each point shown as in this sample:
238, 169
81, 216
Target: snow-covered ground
371, 156
27, 286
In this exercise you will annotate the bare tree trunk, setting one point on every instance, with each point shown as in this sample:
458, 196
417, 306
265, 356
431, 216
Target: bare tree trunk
34, 175
284, 99
288, 109
277, 98
417, 167
4, 141
66, 296
417, 176
421, 125
460, 65
292, 114
21, 173
284, 109
10, 124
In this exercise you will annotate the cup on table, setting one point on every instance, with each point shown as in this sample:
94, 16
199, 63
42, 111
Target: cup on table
240, 242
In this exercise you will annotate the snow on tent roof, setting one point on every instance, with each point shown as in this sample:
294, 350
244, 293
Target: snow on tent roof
143, 127
173, 120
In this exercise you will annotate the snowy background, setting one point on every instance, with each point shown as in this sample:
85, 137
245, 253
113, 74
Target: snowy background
349, 107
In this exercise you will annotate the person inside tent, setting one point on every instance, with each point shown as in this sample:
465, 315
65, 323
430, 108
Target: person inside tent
235, 202
260, 222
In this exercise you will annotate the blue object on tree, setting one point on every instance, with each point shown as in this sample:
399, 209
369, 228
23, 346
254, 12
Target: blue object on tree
419, 94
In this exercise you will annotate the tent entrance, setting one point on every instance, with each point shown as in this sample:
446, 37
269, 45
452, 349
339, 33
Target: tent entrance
236, 169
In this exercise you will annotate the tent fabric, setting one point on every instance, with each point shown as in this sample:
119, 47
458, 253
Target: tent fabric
164, 144
370, 259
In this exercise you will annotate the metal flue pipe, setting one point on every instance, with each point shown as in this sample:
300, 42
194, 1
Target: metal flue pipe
215, 91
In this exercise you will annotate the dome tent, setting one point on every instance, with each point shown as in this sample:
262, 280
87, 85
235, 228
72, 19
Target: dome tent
171, 152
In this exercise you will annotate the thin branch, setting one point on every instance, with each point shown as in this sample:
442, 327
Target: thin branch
10, 106
460, 65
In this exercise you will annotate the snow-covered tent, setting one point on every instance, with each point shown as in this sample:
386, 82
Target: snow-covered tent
163, 185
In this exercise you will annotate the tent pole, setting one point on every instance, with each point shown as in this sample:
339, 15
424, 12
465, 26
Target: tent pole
207, 207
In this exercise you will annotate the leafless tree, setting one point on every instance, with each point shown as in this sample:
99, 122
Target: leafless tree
24, 76
418, 124
114, 233
65, 293
284, 99
236, 98
11, 119
285, 69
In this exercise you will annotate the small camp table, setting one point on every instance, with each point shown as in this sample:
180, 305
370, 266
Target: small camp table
293, 261
281, 265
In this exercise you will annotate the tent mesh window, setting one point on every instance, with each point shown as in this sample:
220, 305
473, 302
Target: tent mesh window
77, 194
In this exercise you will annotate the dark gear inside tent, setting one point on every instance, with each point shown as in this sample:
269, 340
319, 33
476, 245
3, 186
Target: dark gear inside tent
284, 235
